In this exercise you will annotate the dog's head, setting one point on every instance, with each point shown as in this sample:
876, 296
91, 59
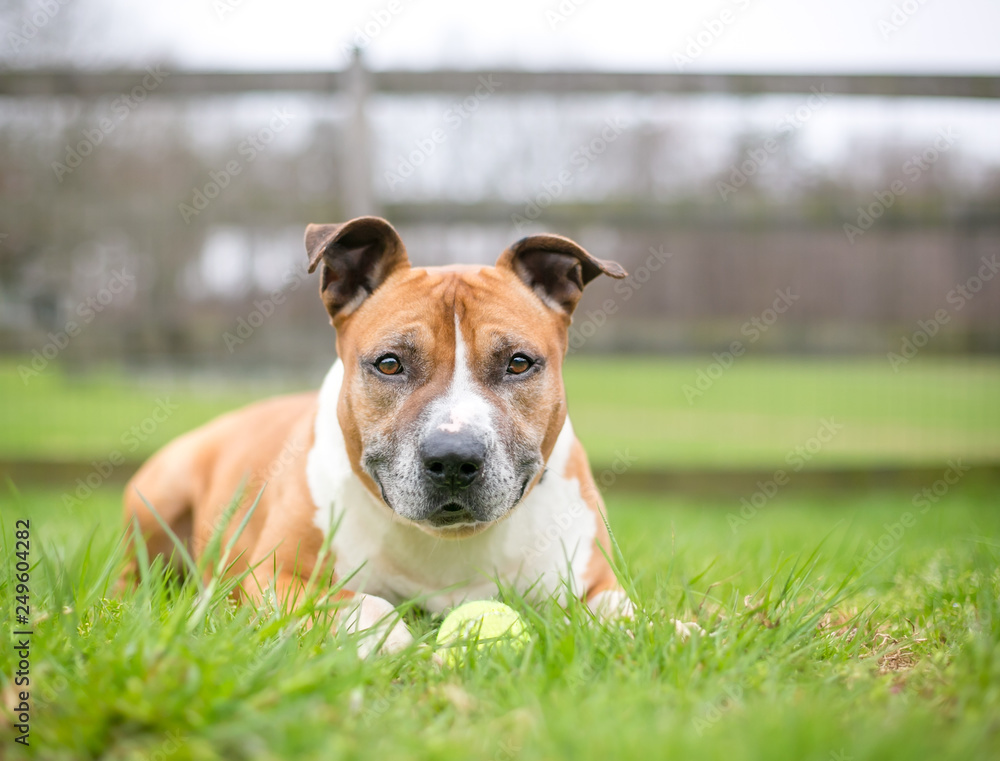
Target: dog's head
452, 397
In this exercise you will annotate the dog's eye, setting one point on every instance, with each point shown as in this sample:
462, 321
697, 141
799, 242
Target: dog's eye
518, 364
389, 365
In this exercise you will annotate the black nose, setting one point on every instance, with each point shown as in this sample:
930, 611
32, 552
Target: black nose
452, 460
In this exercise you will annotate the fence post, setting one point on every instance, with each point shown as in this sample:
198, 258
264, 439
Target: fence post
356, 188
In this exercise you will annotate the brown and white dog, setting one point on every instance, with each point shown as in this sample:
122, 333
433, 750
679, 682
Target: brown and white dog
437, 458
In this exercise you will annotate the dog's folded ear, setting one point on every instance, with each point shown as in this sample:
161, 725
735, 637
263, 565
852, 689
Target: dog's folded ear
556, 268
356, 258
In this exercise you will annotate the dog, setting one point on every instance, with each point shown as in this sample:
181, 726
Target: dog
437, 459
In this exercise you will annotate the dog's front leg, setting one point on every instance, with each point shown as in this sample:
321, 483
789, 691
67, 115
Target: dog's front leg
377, 622
610, 604
605, 596
374, 619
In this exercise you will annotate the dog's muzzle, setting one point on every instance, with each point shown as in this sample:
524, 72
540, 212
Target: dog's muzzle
452, 463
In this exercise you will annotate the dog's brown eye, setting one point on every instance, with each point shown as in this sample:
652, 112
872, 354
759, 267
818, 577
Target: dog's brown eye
389, 365
518, 364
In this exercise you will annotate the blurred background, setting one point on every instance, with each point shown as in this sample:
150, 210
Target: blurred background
807, 198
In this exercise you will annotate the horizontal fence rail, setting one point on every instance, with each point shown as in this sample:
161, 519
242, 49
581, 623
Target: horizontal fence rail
686, 480
68, 82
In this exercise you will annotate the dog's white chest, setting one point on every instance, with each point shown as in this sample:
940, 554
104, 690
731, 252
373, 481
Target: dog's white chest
542, 549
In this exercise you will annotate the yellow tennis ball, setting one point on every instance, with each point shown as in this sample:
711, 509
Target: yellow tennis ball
485, 622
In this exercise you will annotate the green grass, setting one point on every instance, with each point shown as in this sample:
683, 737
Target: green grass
802, 658
61, 417
761, 409
754, 415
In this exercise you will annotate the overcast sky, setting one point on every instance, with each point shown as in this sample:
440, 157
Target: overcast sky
743, 35
805, 36
916, 36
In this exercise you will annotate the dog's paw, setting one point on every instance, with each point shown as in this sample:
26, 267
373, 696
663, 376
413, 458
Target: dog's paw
685, 629
378, 623
611, 605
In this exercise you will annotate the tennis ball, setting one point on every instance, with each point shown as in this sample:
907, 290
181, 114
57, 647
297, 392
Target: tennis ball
485, 622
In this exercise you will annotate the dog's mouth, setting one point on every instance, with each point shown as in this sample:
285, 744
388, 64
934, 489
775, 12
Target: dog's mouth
520, 495
385, 498
456, 516
452, 515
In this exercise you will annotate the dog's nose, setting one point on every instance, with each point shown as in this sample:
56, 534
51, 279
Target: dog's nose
452, 459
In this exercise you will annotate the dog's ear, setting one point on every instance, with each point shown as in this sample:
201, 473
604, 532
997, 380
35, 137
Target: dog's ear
556, 268
356, 257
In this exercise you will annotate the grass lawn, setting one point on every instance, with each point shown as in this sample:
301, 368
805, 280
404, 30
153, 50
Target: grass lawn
804, 657
755, 414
